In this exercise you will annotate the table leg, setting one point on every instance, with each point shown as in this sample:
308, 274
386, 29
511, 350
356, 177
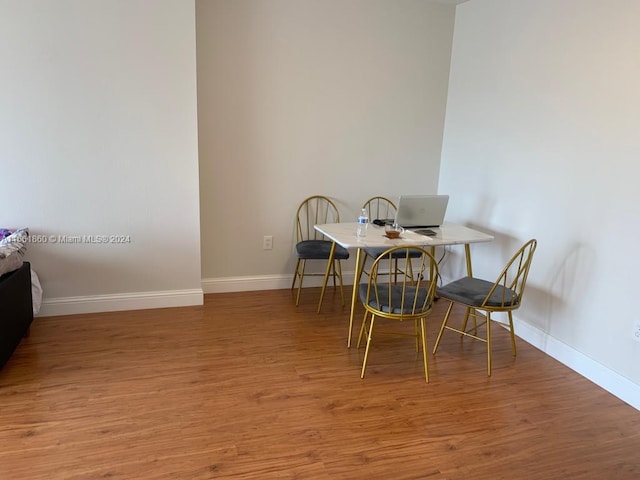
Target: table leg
354, 295
467, 253
470, 311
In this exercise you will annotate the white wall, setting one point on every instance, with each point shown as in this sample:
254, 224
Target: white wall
541, 140
303, 97
98, 136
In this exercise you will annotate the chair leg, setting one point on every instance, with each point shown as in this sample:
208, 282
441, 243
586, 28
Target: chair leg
465, 321
471, 312
416, 331
488, 344
329, 269
362, 328
513, 336
444, 324
333, 273
340, 279
295, 274
366, 352
303, 264
424, 350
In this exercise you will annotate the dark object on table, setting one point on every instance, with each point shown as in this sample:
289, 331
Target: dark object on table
381, 222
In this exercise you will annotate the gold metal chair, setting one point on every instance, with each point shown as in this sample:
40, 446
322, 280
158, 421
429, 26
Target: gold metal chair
382, 208
401, 298
503, 295
312, 245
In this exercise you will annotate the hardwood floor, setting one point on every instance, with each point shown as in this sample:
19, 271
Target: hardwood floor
249, 386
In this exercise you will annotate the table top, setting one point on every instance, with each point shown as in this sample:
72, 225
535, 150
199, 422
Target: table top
344, 234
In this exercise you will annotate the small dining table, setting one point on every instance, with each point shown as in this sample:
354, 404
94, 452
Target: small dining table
344, 234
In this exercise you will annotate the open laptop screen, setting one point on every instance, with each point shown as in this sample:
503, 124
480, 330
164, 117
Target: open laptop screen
421, 211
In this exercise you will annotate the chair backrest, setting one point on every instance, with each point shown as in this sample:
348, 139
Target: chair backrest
410, 293
315, 210
380, 208
508, 289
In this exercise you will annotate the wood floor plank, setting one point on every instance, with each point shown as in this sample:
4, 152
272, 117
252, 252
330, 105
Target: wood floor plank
249, 386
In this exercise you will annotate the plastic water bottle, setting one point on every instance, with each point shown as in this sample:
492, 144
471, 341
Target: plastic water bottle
363, 223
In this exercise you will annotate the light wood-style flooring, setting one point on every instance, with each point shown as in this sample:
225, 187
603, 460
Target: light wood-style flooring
251, 387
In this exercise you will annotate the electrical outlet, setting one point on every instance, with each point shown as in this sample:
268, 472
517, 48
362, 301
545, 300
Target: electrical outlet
636, 331
267, 242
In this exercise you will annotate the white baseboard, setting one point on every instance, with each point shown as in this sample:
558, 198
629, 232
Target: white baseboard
120, 302
602, 376
246, 284
265, 282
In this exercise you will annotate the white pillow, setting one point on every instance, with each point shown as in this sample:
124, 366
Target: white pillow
10, 263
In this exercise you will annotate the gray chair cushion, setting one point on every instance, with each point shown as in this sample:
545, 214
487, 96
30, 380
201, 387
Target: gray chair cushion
396, 298
319, 250
473, 291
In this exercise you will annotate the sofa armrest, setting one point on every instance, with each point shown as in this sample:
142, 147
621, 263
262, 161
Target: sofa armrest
16, 309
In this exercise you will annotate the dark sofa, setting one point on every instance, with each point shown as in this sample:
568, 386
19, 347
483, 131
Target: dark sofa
16, 309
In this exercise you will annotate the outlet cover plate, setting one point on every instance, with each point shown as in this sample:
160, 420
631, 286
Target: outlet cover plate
636, 331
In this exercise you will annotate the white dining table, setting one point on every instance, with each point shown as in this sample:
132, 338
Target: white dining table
344, 234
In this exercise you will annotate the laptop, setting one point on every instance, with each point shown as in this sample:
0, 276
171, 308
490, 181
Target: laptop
421, 212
